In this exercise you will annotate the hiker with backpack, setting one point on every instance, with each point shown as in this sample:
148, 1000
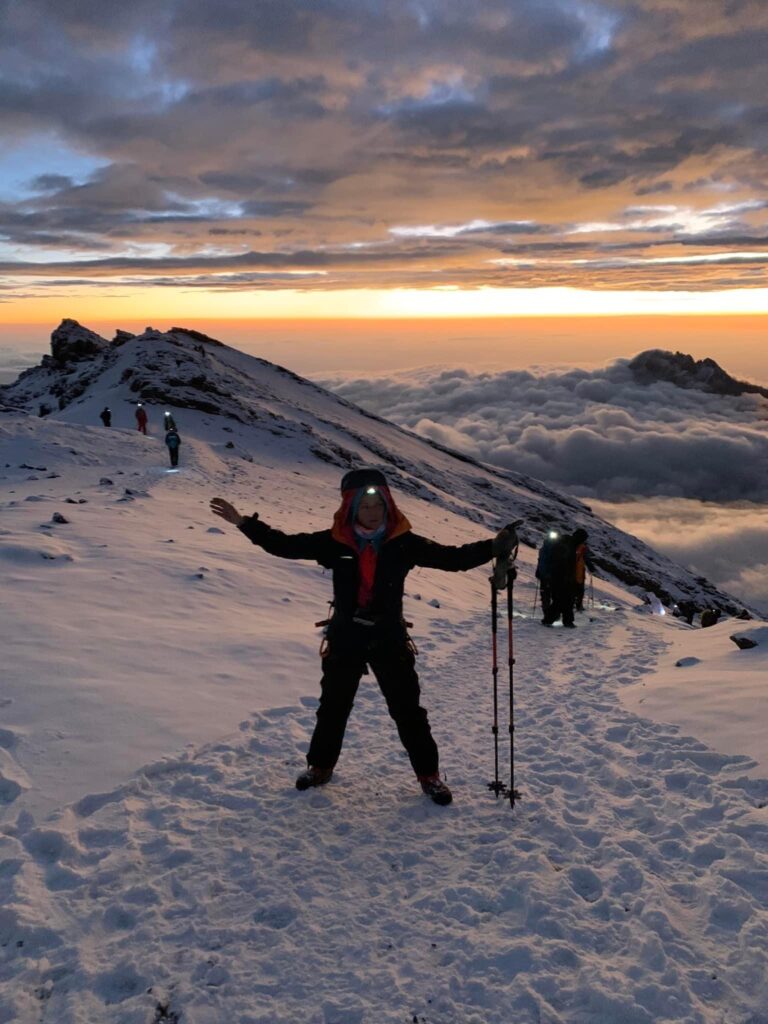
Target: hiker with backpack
172, 441
544, 570
369, 549
557, 578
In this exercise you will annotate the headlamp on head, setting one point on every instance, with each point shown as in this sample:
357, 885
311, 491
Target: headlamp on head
553, 534
371, 490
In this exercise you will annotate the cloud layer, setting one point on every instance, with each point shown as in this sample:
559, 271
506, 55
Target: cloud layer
681, 469
601, 144
597, 433
726, 543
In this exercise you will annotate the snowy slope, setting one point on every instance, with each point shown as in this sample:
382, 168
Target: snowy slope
160, 679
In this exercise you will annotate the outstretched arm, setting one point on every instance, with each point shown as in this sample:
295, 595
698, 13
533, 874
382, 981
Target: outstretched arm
285, 545
431, 555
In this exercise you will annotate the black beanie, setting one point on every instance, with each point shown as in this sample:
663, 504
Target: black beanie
356, 478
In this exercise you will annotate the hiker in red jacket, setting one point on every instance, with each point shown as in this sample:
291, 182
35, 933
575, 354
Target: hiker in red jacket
141, 418
370, 550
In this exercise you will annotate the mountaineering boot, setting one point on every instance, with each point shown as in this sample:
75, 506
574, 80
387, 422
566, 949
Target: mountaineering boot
313, 777
436, 789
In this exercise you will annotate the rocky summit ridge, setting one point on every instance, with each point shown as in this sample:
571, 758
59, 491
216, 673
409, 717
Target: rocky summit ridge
686, 372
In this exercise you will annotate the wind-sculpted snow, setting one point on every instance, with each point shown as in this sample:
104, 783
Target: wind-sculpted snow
628, 885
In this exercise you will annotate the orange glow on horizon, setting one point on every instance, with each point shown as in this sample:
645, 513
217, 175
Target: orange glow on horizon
174, 304
325, 346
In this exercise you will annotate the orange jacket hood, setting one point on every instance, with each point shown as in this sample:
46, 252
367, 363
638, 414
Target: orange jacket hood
343, 528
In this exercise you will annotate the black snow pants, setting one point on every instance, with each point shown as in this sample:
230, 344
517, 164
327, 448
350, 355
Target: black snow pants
392, 662
563, 596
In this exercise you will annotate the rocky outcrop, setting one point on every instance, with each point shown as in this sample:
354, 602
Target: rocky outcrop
73, 343
743, 642
121, 337
686, 372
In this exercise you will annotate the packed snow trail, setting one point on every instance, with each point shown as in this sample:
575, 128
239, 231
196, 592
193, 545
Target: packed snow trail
629, 886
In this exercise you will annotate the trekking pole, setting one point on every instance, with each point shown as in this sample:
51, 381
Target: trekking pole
535, 595
503, 576
591, 591
514, 794
495, 786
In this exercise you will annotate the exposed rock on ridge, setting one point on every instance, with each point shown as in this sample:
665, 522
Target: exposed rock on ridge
686, 372
72, 343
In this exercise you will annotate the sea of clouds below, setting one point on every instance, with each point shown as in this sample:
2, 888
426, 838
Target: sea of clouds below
682, 469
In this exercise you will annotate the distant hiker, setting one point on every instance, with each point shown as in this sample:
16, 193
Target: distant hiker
583, 562
370, 549
544, 570
141, 418
710, 617
684, 610
557, 578
654, 603
106, 416
168, 421
173, 441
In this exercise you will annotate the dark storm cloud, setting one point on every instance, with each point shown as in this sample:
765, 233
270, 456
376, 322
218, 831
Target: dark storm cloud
335, 121
274, 208
285, 99
50, 183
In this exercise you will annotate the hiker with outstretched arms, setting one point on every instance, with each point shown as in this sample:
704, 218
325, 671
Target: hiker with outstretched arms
369, 549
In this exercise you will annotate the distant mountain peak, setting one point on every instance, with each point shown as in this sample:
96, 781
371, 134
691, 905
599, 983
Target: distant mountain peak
684, 371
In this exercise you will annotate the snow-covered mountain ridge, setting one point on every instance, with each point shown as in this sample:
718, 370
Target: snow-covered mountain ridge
253, 401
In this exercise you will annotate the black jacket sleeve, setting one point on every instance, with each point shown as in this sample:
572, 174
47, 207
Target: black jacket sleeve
431, 555
312, 546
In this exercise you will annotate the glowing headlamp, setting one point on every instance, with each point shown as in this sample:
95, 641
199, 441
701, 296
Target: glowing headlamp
553, 534
371, 490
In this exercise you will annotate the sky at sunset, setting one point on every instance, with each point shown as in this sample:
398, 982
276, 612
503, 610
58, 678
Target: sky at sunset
414, 158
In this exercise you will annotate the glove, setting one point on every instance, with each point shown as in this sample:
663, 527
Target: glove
503, 543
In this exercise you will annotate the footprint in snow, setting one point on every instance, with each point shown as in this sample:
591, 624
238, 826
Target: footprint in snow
585, 883
275, 915
9, 790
